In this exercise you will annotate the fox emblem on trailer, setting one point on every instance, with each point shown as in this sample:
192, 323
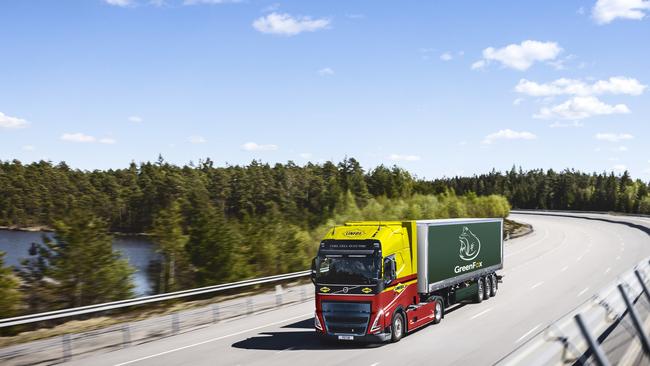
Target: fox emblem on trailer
470, 244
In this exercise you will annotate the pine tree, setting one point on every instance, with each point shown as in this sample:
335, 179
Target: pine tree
10, 296
168, 234
77, 267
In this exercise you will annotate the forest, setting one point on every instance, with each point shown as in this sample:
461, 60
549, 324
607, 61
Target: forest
217, 224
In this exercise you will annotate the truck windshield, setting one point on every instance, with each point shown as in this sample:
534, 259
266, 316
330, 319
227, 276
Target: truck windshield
347, 270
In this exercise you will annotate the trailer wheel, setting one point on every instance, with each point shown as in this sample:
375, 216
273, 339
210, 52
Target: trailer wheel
397, 327
479, 291
487, 288
438, 311
493, 279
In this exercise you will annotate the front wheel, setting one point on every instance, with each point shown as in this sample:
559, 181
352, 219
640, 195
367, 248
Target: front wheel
437, 317
397, 327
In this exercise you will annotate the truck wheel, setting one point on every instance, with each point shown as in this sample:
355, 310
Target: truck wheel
487, 288
493, 279
397, 327
479, 291
438, 311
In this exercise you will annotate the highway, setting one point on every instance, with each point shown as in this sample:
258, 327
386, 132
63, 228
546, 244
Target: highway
547, 274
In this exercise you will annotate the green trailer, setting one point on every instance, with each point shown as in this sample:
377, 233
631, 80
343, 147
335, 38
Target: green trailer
456, 251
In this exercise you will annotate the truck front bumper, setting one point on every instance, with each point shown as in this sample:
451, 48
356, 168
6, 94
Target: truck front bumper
368, 338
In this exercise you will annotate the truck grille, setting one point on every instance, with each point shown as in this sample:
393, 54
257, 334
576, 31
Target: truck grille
346, 317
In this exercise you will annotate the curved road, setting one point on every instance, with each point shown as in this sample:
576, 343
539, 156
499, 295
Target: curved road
547, 274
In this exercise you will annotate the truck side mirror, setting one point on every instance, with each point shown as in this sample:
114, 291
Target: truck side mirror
389, 270
313, 270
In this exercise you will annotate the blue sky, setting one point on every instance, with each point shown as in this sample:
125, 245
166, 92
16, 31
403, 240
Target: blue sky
439, 88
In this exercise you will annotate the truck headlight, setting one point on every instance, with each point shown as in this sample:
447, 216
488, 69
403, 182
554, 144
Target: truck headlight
376, 327
317, 324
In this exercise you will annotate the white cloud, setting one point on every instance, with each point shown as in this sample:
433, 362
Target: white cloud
77, 137
613, 137
287, 25
446, 56
581, 107
558, 124
12, 122
135, 119
520, 56
252, 146
326, 71
196, 139
399, 157
29, 148
305, 155
619, 168
122, 3
83, 138
517, 101
196, 2
107, 140
605, 11
508, 134
478, 65
621, 149
613, 85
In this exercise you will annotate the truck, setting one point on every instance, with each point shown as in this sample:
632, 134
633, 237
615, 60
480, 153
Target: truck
376, 281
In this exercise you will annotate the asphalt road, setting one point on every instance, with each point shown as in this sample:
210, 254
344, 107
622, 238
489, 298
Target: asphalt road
547, 274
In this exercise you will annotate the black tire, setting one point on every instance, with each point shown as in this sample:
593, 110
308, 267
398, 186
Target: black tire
398, 327
487, 288
479, 291
439, 311
495, 285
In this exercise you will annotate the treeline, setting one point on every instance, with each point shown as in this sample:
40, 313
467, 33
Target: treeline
565, 190
211, 224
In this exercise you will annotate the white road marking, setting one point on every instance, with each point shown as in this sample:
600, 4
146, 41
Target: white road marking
286, 349
607, 270
618, 258
537, 285
583, 291
579, 258
528, 333
564, 268
481, 313
375, 364
212, 340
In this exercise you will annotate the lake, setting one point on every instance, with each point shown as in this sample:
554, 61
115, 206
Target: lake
137, 250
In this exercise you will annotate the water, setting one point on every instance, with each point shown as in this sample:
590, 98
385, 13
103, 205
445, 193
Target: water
137, 250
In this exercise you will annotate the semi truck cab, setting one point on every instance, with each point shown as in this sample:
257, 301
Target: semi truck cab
366, 276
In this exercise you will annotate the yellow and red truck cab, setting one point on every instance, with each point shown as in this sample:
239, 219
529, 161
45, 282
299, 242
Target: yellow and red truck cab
367, 283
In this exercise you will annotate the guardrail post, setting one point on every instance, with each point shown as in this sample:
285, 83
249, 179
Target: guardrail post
67, 347
175, 323
598, 353
215, 313
249, 305
278, 295
643, 285
643, 338
126, 335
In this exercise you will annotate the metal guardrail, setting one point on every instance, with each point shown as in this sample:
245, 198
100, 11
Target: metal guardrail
77, 345
33, 318
597, 328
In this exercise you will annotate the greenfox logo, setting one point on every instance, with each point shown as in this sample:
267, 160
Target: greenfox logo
468, 267
470, 245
